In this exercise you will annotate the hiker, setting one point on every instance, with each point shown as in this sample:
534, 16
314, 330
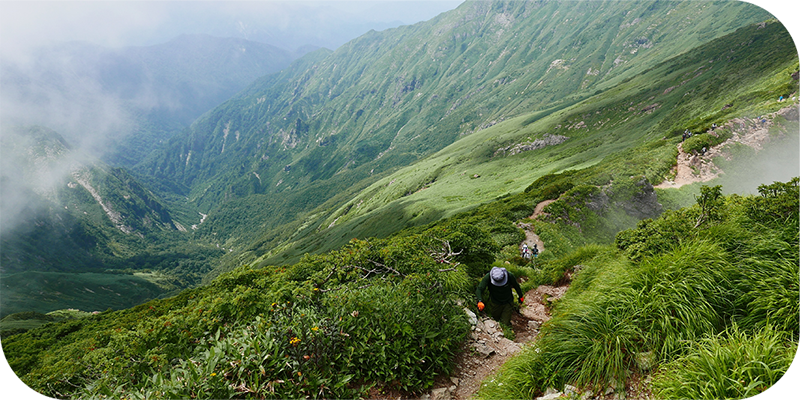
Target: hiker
499, 282
535, 250
703, 152
525, 251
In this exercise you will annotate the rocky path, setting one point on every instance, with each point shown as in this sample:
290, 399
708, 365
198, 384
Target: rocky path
693, 168
487, 348
532, 238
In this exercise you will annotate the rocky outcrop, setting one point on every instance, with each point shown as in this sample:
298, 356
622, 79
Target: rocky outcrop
546, 140
644, 202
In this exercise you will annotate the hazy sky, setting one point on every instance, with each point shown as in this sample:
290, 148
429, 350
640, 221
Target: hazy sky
24, 24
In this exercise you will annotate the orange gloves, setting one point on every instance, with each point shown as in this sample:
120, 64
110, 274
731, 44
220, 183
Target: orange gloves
480, 305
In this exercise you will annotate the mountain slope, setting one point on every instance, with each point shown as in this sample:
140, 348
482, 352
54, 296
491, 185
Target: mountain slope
62, 215
334, 123
635, 127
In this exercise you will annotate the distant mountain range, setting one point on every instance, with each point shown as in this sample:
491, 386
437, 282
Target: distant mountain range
316, 133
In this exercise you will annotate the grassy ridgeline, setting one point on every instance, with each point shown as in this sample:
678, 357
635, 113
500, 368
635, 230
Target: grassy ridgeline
704, 299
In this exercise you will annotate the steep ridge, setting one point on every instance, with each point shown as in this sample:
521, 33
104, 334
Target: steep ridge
335, 122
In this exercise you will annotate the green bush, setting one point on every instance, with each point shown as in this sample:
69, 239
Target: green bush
706, 296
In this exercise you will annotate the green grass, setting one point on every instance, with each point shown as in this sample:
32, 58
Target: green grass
618, 141
735, 364
711, 315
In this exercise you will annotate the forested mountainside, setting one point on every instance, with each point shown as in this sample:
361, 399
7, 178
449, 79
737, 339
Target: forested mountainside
334, 123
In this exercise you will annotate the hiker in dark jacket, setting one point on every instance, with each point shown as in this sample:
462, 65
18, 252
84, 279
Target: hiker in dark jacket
499, 282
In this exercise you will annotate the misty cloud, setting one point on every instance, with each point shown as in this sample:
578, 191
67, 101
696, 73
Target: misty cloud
72, 67
34, 163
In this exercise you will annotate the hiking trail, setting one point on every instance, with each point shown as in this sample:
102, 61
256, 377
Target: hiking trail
486, 349
694, 167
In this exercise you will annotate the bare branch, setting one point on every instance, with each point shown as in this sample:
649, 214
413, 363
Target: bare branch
446, 254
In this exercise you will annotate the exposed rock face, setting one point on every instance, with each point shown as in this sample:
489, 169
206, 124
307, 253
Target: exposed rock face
546, 140
644, 203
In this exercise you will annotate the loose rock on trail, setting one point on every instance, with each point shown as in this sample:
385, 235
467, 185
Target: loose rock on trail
487, 349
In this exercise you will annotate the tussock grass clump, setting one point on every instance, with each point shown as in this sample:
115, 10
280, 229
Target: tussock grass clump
683, 295
732, 365
591, 345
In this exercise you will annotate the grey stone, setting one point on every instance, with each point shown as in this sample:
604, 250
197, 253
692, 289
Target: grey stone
473, 319
550, 394
484, 350
569, 390
440, 394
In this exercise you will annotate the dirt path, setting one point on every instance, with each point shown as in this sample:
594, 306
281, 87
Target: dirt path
539, 210
693, 168
532, 238
487, 349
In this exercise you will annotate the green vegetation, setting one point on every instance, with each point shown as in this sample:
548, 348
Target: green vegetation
333, 325
351, 215
732, 365
609, 133
279, 163
372, 139
704, 298
383, 313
